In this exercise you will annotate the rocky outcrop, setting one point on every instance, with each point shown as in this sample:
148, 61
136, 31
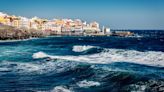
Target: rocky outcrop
12, 33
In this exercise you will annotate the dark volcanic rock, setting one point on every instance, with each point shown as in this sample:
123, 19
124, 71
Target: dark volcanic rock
12, 33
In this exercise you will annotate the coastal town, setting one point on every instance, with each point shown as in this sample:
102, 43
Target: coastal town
58, 26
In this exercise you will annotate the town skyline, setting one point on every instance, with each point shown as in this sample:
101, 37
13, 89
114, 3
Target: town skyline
57, 26
53, 18
117, 14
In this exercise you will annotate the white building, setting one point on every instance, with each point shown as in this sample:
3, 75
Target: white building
94, 24
50, 25
24, 22
107, 30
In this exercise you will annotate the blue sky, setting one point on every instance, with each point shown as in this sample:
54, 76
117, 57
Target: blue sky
117, 14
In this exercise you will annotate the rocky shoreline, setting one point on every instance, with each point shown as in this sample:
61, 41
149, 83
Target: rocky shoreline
12, 33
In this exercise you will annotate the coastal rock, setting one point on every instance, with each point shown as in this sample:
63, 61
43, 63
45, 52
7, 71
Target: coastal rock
12, 33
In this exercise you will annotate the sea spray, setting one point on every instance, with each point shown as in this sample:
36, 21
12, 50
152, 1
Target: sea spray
79, 48
151, 58
86, 83
40, 55
116, 63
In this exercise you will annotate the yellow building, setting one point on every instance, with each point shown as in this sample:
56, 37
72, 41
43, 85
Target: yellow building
14, 21
2, 20
10, 20
59, 22
37, 23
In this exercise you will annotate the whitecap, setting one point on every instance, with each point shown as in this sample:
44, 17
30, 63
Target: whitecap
40, 55
31, 68
20, 40
3, 69
137, 88
152, 58
61, 89
86, 83
81, 48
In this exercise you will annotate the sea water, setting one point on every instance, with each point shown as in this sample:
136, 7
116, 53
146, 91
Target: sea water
84, 64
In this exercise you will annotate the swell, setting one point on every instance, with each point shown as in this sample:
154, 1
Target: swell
74, 76
106, 56
86, 49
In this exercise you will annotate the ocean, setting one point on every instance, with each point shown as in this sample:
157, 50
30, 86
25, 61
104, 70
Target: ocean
84, 64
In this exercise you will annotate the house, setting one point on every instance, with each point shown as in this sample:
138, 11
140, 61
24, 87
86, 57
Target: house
24, 22
51, 26
37, 23
12, 21
3, 20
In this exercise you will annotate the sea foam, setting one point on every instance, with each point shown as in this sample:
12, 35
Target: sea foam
86, 83
81, 48
39, 55
31, 68
151, 58
60, 89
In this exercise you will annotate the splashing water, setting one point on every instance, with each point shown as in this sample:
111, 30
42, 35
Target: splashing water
83, 64
81, 48
114, 55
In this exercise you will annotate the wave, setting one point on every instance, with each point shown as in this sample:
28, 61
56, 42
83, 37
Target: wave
39, 55
82, 48
31, 68
19, 40
151, 58
87, 84
150, 86
61, 89
137, 88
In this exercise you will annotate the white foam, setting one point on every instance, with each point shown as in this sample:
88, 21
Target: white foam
61, 89
19, 66
35, 68
15, 40
39, 55
152, 58
44, 55
138, 88
4, 69
86, 83
81, 48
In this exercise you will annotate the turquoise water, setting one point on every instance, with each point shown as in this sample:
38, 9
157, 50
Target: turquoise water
83, 64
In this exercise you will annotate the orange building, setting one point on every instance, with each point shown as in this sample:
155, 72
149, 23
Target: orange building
59, 22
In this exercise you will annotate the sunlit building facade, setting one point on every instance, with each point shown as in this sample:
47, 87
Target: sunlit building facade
55, 25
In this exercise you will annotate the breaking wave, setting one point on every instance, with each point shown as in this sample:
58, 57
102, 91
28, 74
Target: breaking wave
81, 48
86, 83
151, 58
39, 55
61, 89
36, 67
94, 64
